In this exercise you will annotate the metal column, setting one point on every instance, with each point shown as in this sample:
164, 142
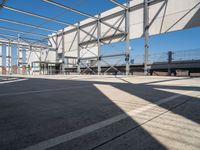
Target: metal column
56, 43
20, 60
78, 49
1, 60
99, 43
127, 30
18, 42
8, 59
146, 36
28, 67
63, 52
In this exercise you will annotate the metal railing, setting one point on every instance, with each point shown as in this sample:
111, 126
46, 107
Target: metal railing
180, 55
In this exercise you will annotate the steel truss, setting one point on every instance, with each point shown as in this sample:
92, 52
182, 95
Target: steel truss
93, 38
96, 39
119, 34
29, 44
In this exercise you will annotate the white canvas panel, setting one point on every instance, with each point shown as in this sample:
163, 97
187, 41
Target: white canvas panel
60, 45
92, 30
47, 55
136, 2
51, 42
70, 41
136, 23
173, 19
117, 22
93, 52
71, 54
170, 18
32, 56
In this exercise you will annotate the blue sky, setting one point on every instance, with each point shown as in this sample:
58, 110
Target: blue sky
180, 40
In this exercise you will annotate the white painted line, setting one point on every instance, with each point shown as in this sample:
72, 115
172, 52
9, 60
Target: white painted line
7, 78
83, 131
11, 81
46, 90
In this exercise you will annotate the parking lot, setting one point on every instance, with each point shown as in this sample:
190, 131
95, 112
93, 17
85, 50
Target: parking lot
99, 112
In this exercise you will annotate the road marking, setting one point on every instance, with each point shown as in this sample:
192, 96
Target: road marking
86, 130
41, 91
11, 81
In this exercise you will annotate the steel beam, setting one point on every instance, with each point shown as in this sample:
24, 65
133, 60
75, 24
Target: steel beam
88, 33
88, 24
7, 41
118, 4
56, 43
26, 24
81, 13
18, 53
6, 35
23, 38
20, 60
127, 29
88, 50
133, 8
86, 58
79, 49
38, 40
114, 24
63, 52
70, 9
8, 58
31, 39
99, 44
113, 55
103, 39
146, 36
36, 15
22, 32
